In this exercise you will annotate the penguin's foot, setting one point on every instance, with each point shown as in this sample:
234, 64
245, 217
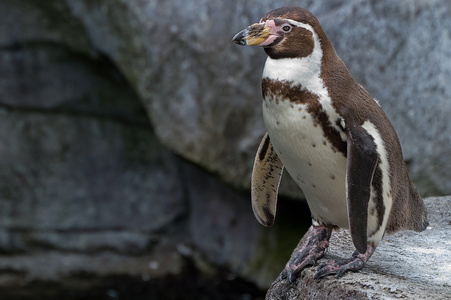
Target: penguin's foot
314, 243
341, 266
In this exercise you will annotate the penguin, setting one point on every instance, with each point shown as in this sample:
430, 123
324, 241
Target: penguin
333, 139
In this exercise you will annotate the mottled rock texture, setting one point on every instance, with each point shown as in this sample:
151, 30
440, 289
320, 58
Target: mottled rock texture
128, 130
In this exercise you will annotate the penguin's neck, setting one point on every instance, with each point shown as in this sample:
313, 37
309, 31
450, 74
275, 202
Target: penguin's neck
298, 72
303, 71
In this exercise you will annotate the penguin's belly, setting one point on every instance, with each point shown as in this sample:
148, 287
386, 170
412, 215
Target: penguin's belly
318, 169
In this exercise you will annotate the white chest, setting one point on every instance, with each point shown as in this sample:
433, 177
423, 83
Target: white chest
309, 158
300, 142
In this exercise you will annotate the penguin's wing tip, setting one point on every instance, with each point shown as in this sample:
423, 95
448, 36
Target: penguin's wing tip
266, 177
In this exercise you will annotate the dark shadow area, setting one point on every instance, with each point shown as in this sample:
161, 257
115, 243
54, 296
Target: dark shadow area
190, 284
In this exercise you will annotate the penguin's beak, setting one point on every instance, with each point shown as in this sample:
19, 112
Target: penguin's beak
254, 35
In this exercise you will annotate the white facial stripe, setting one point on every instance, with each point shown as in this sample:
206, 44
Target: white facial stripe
305, 72
386, 189
299, 24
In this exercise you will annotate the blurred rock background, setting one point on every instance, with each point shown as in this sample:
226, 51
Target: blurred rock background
128, 130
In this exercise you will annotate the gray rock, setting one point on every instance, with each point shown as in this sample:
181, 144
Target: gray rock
76, 173
405, 265
77, 152
79, 173
85, 186
27, 22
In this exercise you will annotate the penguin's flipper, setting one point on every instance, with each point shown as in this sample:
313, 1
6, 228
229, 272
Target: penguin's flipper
265, 182
362, 159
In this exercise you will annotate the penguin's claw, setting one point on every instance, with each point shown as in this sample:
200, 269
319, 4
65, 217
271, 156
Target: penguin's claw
293, 268
339, 267
313, 248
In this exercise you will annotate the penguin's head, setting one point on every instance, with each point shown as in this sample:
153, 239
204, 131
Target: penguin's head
286, 32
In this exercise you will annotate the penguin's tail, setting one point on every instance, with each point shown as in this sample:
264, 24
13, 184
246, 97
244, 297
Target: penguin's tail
418, 212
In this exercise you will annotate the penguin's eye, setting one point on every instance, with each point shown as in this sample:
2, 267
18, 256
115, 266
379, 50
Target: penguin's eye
286, 28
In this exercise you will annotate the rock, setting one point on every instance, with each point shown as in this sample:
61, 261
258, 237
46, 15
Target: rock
405, 265
75, 171
85, 186
27, 23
